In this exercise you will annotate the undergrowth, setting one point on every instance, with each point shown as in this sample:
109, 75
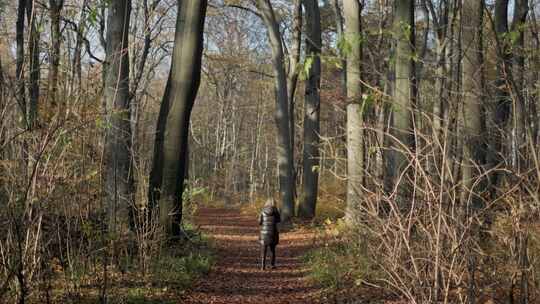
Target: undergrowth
341, 261
172, 269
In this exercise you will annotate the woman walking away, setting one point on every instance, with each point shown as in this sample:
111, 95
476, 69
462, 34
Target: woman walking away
269, 237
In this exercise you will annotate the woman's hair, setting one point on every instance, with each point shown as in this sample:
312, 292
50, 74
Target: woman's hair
270, 202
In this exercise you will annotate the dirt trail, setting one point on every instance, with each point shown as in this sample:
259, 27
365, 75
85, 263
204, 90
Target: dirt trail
236, 277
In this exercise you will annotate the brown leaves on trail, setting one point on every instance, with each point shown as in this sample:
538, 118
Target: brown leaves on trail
236, 277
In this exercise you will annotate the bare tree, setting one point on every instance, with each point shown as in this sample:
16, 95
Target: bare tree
284, 152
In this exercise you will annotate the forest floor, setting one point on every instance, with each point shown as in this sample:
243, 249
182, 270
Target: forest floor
237, 278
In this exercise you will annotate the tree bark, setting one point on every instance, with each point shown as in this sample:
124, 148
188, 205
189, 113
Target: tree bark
312, 103
34, 64
472, 98
501, 112
284, 152
117, 175
509, 98
402, 127
170, 151
520, 121
19, 65
355, 149
292, 79
55, 8
440, 16
339, 32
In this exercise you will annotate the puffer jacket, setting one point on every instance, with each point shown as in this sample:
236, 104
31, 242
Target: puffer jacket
268, 221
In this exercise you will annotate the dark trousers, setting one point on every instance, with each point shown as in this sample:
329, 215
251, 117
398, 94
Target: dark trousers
264, 249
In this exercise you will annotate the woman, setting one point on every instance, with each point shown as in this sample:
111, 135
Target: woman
269, 237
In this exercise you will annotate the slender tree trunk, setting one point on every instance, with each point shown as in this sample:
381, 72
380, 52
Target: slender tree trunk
440, 15
117, 175
535, 103
509, 98
519, 121
402, 107
355, 149
76, 67
336, 113
284, 152
34, 64
472, 70
55, 8
170, 151
292, 79
501, 112
19, 70
339, 31
312, 103
520, 131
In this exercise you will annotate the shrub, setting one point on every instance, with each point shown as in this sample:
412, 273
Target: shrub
182, 270
340, 262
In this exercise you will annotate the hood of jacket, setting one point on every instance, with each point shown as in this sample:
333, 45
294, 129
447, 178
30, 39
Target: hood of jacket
268, 211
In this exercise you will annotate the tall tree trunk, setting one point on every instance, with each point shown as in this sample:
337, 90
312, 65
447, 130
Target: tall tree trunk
292, 77
355, 148
404, 93
535, 103
501, 112
440, 15
117, 175
170, 151
55, 8
76, 66
509, 98
312, 102
519, 121
519, 134
284, 152
473, 154
339, 31
34, 64
19, 69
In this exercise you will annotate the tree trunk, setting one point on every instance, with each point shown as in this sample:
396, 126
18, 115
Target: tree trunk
501, 112
284, 152
520, 121
34, 64
117, 175
355, 148
76, 69
312, 103
402, 127
55, 8
509, 98
19, 69
520, 131
440, 16
472, 99
292, 79
170, 151
339, 32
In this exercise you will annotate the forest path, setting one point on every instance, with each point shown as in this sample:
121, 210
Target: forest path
236, 277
